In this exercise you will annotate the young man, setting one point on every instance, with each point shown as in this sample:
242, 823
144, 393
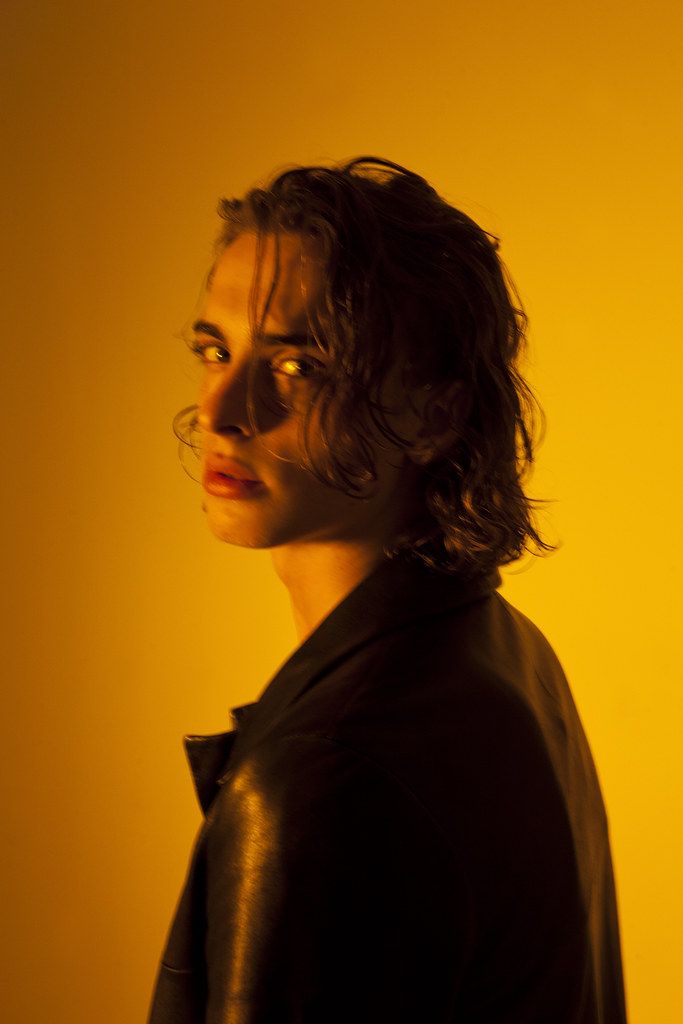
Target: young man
407, 826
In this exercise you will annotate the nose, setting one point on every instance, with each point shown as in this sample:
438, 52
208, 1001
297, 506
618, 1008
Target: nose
222, 406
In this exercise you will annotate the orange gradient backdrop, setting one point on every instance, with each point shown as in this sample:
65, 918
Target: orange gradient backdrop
557, 127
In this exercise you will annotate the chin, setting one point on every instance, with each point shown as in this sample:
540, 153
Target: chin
228, 529
240, 538
265, 525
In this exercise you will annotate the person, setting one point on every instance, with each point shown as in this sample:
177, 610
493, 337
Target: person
407, 825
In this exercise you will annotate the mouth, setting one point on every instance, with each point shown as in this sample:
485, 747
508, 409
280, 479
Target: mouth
222, 467
241, 479
224, 485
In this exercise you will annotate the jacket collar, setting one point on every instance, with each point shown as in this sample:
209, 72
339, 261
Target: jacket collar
397, 592
208, 755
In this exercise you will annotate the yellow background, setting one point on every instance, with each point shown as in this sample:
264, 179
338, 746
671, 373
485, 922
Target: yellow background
555, 125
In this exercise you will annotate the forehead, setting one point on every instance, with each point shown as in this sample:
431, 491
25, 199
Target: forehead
300, 277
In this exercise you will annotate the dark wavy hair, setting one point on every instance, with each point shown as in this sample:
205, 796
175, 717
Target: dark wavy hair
409, 276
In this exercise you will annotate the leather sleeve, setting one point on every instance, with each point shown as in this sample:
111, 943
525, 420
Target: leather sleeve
325, 894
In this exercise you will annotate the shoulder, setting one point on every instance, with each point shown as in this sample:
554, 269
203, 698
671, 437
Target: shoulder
449, 668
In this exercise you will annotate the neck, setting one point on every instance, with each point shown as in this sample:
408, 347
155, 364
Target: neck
319, 576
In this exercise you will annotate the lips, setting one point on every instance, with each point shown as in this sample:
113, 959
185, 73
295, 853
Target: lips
232, 469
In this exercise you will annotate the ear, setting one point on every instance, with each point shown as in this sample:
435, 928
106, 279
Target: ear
441, 408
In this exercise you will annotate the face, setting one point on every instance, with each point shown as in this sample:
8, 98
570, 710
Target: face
287, 505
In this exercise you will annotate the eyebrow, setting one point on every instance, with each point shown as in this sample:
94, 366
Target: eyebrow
296, 338
204, 327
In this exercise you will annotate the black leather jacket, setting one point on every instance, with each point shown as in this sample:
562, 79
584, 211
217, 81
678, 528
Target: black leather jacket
406, 828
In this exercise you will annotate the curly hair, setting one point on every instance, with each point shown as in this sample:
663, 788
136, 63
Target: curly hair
409, 275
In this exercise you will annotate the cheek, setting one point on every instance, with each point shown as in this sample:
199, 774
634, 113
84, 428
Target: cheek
282, 405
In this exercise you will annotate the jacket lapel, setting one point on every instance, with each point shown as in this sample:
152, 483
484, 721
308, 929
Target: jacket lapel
208, 756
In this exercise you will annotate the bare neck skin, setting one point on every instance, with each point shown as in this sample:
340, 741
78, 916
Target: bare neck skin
320, 575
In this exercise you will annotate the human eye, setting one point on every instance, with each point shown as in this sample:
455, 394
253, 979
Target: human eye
298, 367
210, 352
